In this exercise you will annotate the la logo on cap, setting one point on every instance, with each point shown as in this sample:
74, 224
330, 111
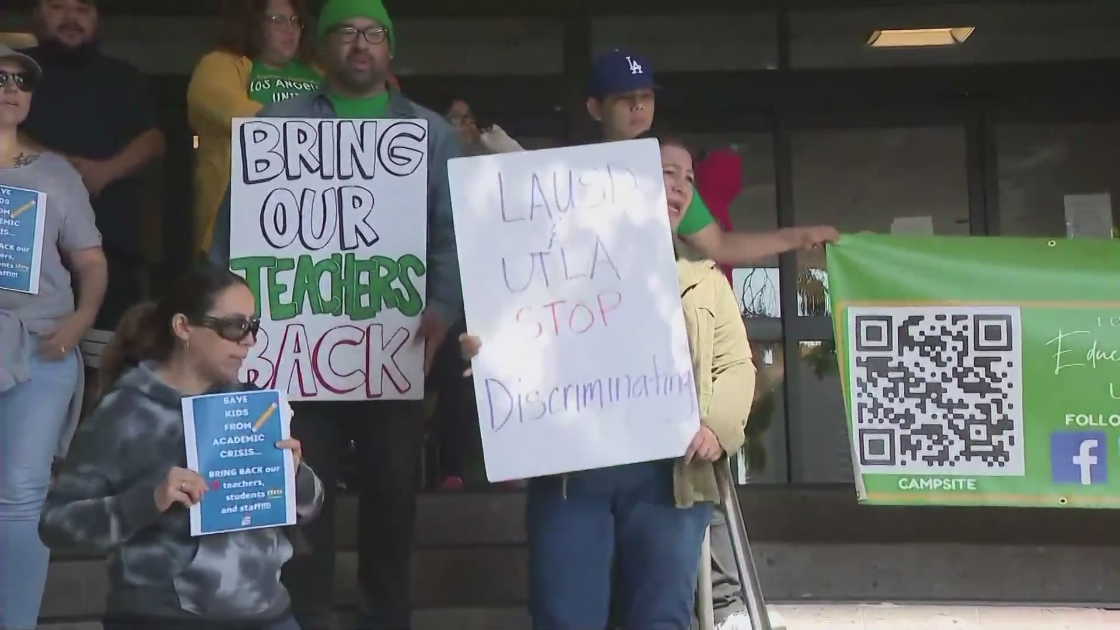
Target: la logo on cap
635, 67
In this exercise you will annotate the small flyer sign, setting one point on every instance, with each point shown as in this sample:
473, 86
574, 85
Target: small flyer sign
23, 216
231, 441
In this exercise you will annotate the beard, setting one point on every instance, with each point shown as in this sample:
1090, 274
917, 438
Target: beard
359, 81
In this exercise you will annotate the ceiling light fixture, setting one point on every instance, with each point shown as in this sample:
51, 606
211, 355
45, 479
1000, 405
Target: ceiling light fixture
919, 37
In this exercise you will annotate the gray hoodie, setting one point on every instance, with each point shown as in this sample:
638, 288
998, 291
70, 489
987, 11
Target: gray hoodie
104, 501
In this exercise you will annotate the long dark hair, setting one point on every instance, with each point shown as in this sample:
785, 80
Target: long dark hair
242, 21
144, 332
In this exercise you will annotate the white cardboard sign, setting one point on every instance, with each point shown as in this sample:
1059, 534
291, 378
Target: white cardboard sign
329, 226
570, 280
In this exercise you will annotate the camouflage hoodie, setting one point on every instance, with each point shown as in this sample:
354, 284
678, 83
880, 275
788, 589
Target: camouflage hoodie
104, 501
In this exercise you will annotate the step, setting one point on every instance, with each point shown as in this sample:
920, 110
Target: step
495, 577
794, 617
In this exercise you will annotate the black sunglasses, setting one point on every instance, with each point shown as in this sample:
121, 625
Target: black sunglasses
24, 81
234, 329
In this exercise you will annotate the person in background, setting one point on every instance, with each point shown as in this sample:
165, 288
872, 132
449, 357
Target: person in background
719, 180
262, 57
622, 101
357, 41
478, 139
647, 518
125, 489
99, 112
40, 364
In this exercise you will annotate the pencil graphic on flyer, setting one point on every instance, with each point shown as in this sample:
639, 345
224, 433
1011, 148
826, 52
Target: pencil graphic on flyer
264, 416
24, 208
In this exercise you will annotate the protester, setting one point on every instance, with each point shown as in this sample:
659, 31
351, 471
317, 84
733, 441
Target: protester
125, 489
99, 113
356, 45
476, 139
622, 100
40, 365
261, 58
649, 517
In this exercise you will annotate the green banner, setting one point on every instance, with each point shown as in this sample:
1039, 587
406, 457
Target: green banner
980, 371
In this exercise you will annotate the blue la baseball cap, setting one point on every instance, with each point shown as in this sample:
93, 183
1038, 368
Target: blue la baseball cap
620, 71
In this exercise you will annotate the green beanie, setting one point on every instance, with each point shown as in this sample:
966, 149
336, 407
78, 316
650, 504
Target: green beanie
337, 11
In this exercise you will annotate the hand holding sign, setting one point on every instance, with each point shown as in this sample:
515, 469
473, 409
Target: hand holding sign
433, 332
181, 486
705, 446
293, 445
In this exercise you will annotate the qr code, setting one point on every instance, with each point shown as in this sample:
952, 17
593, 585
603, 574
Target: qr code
936, 390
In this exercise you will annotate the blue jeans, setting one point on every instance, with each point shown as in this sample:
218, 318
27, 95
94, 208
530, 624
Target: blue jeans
32, 417
624, 514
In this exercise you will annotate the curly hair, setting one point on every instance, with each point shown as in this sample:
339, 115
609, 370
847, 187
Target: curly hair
242, 22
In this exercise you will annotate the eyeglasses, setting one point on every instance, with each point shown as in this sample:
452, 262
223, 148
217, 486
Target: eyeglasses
233, 329
373, 34
283, 20
24, 81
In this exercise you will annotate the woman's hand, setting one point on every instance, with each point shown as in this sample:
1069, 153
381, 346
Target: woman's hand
469, 345
293, 445
182, 486
705, 446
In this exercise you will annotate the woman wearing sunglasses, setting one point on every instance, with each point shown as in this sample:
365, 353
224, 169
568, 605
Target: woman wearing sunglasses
125, 489
40, 328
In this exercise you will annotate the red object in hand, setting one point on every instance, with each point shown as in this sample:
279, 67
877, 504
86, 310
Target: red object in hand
719, 180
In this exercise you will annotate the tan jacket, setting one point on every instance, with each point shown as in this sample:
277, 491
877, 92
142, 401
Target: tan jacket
721, 360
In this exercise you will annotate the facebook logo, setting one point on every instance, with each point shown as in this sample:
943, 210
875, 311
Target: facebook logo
1079, 457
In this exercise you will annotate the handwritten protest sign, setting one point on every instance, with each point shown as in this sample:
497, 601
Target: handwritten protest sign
231, 441
569, 279
329, 226
23, 216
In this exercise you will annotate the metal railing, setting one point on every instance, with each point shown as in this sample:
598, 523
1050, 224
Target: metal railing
744, 562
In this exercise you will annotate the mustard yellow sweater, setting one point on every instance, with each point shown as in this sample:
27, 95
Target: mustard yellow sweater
218, 93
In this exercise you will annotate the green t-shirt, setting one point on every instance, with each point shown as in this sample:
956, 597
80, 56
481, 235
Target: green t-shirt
372, 107
272, 85
696, 216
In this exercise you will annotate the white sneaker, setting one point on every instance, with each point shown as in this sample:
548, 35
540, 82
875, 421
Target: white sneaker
738, 621
742, 621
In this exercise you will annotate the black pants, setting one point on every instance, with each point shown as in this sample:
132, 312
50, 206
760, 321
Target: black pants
727, 590
456, 418
123, 291
387, 437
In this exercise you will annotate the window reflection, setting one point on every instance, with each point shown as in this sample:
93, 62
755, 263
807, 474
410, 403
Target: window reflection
879, 180
763, 457
824, 447
1044, 167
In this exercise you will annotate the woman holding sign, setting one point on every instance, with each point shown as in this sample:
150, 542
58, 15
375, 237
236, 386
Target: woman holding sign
47, 231
125, 489
648, 518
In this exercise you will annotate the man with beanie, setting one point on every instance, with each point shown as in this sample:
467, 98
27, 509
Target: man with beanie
356, 42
